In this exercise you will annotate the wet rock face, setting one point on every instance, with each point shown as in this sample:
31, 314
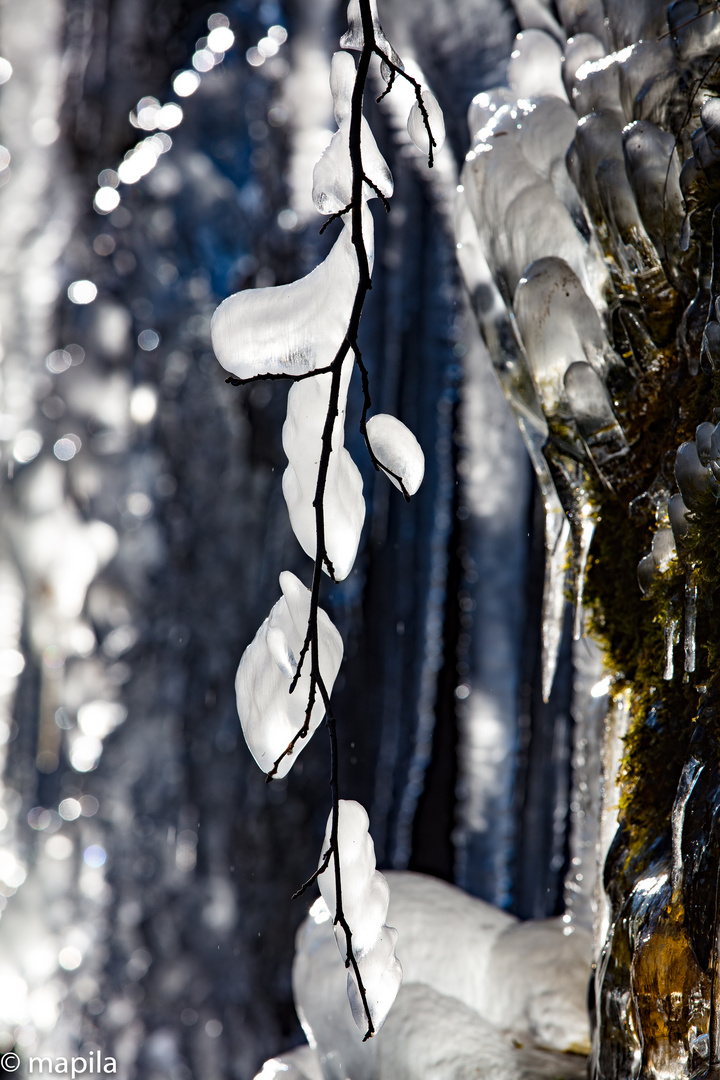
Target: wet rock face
605, 257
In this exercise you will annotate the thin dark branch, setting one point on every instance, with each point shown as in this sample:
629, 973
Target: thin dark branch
335, 216
418, 97
270, 376
313, 877
388, 88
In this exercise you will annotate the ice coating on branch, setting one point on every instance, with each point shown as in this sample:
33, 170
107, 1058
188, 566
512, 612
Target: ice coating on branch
397, 450
416, 123
269, 714
365, 898
344, 506
354, 38
535, 63
332, 176
290, 329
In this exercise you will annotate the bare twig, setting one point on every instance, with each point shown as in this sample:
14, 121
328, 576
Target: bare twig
397, 70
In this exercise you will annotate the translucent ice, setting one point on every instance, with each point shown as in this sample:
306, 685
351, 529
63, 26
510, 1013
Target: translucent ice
365, 897
648, 79
269, 714
692, 476
343, 503
483, 107
416, 123
559, 326
595, 85
537, 15
535, 63
690, 621
677, 512
688, 778
354, 38
592, 411
397, 450
579, 50
332, 176
652, 169
291, 329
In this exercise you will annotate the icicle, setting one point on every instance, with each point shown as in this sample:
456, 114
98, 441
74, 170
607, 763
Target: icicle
397, 450
557, 551
586, 533
365, 899
670, 632
270, 715
690, 621
692, 476
688, 779
354, 39
592, 411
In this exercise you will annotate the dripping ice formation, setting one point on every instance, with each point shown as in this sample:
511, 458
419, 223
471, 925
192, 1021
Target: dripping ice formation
365, 903
397, 450
270, 715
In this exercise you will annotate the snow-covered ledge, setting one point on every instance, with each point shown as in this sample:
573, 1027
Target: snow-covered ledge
483, 996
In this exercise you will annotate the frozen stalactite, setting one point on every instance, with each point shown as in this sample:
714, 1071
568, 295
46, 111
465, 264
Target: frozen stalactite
670, 637
271, 716
690, 623
592, 411
557, 550
694, 479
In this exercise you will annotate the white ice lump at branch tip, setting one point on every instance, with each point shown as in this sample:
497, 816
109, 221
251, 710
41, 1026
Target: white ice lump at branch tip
291, 329
416, 123
333, 174
343, 503
397, 450
365, 899
269, 714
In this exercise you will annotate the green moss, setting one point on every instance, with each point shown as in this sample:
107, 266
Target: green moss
664, 410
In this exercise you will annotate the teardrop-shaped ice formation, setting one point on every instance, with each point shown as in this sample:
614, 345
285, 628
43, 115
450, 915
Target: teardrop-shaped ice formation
559, 326
365, 898
343, 503
592, 411
417, 128
291, 329
652, 168
270, 715
397, 450
535, 64
692, 476
333, 174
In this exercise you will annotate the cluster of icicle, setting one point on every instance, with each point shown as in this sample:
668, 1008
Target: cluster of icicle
571, 230
298, 331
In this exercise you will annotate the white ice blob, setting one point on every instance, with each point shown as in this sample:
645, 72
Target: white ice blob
397, 450
365, 898
269, 714
333, 174
343, 503
291, 329
417, 129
